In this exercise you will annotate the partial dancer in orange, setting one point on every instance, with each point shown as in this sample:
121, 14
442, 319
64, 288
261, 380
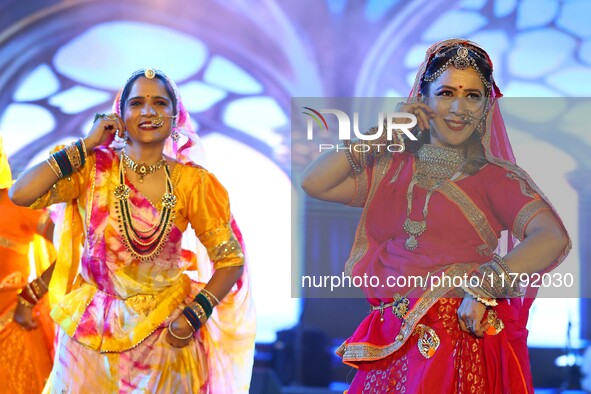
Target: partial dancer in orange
26, 330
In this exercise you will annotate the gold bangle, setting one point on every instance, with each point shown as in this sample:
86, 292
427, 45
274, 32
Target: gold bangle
188, 322
210, 297
176, 336
200, 312
36, 289
74, 156
55, 167
24, 302
32, 293
84, 148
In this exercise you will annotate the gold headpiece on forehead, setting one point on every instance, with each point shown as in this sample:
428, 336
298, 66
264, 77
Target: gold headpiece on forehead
149, 73
461, 60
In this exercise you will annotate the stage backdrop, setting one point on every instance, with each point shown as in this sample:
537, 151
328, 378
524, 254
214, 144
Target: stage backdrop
238, 63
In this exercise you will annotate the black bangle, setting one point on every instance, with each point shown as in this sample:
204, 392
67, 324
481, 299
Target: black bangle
81, 151
192, 317
204, 302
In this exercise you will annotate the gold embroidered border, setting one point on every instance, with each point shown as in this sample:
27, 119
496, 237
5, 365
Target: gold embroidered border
361, 190
527, 213
355, 352
525, 189
474, 215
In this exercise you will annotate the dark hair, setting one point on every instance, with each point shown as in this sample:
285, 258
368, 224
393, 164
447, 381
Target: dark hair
131, 81
475, 157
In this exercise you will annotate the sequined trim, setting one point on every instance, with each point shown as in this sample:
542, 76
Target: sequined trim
474, 215
227, 253
525, 189
14, 280
361, 190
355, 352
526, 214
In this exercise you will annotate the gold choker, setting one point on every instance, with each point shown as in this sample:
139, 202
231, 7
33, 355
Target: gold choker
142, 169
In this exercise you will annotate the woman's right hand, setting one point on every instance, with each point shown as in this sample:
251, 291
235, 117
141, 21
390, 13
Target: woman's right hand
103, 128
422, 111
181, 329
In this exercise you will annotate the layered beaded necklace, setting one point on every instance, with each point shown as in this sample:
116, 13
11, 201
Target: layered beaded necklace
144, 244
434, 166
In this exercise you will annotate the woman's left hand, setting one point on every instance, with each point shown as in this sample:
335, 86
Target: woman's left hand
23, 316
470, 315
181, 329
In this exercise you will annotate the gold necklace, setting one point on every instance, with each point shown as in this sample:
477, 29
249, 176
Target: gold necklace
142, 169
435, 165
144, 244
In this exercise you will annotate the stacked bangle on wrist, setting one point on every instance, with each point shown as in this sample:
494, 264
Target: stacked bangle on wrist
200, 309
495, 281
72, 158
488, 301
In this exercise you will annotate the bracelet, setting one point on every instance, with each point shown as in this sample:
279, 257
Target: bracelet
55, 167
81, 150
204, 302
30, 291
210, 297
24, 302
70, 159
176, 336
64, 162
191, 316
188, 322
488, 301
199, 312
73, 156
23, 293
36, 289
496, 280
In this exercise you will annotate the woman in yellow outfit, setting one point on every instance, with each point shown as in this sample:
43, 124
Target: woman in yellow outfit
130, 320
